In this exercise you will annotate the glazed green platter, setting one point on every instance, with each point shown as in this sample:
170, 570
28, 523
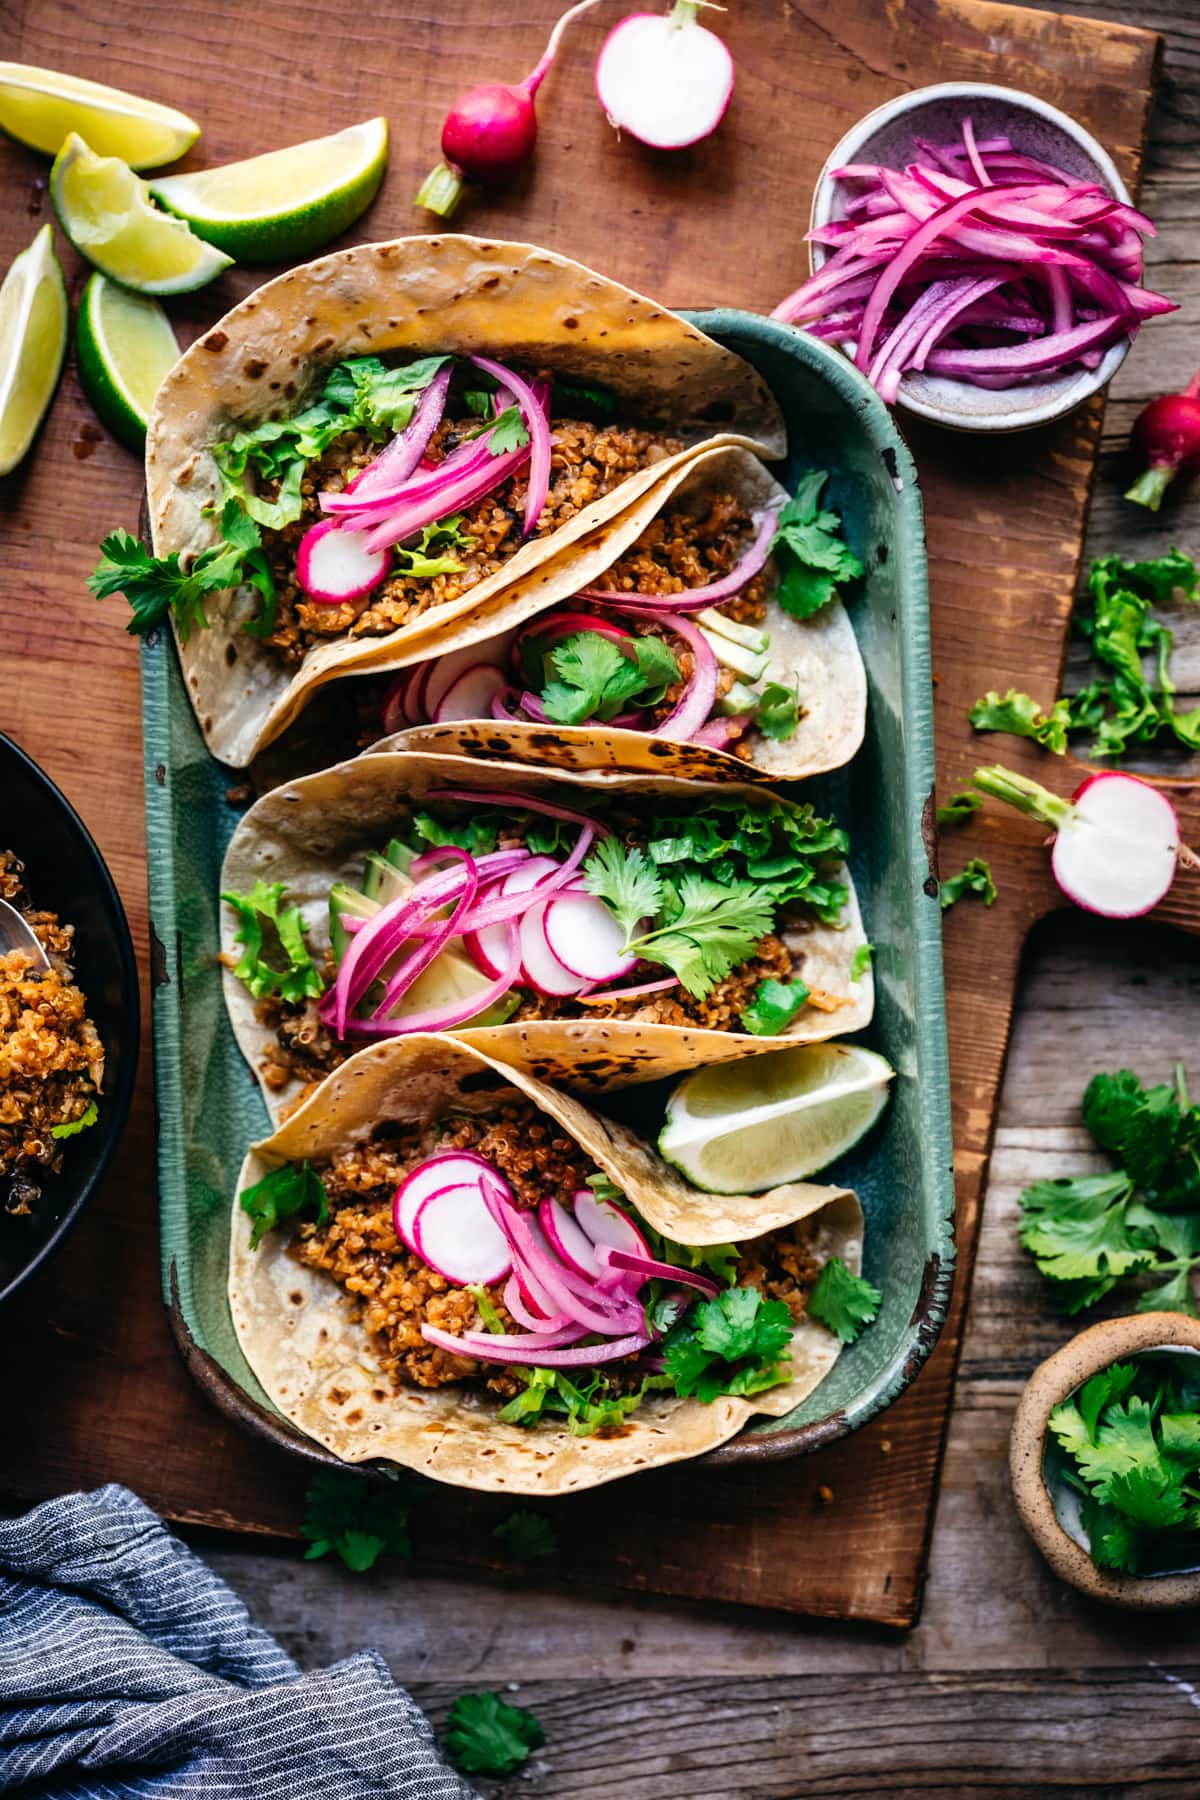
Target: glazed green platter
209, 1106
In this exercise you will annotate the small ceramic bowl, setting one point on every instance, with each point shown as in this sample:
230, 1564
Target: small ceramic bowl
66, 874
1048, 1507
1036, 129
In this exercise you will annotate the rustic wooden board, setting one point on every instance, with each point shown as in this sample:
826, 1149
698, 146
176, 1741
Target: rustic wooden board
93, 1389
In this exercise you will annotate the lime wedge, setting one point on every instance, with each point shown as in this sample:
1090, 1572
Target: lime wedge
286, 203
41, 107
106, 212
33, 341
124, 346
735, 1128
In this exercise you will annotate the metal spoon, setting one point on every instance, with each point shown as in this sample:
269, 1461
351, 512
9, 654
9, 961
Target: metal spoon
17, 934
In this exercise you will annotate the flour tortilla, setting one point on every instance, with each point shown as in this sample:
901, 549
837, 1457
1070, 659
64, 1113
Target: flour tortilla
818, 655
313, 832
315, 1362
414, 296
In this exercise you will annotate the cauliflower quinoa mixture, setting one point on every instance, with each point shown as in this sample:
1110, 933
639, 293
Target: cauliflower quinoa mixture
589, 461
358, 1248
51, 1057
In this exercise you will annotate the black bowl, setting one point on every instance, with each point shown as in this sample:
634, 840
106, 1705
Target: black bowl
66, 874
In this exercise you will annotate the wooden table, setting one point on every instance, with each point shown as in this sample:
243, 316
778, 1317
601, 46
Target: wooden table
1010, 1684
658, 1699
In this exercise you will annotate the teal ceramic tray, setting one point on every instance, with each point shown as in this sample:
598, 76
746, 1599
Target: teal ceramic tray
208, 1102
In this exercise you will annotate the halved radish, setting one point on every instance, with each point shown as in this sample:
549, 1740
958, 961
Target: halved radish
470, 694
605, 1223
585, 937
539, 962
456, 1235
333, 565
450, 1168
569, 1239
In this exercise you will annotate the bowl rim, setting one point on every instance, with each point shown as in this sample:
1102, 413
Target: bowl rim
1051, 1382
117, 1112
1080, 389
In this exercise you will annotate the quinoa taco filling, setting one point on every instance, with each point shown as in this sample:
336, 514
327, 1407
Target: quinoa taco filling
489, 1251
400, 488
672, 640
485, 908
51, 1057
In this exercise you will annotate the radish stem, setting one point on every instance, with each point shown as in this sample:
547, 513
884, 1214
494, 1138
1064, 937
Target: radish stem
1029, 797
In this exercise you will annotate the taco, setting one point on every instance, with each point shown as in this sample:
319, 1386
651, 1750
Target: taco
593, 930
379, 442
714, 646
441, 1262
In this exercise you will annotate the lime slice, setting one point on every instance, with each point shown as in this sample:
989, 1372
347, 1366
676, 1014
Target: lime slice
735, 1128
33, 341
106, 212
286, 203
41, 107
124, 346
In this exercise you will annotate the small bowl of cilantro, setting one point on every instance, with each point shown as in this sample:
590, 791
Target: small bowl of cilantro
1105, 1460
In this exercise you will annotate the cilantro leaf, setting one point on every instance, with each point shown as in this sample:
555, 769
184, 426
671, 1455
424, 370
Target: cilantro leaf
1147, 1130
526, 1535
861, 961
1115, 1541
487, 1736
72, 1127
300, 979
1151, 1494
810, 554
1021, 716
1076, 1231
1107, 1385
778, 711
736, 1343
280, 1195
958, 809
774, 1006
355, 1519
596, 678
508, 432
843, 1302
626, 880
708, 929
975, 878
1180, 1433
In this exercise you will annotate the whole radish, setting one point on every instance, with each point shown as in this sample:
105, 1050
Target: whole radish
664, 78
490, 131
1166, 435
1116, 843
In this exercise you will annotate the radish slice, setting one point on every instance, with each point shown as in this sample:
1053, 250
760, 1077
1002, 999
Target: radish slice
664, 78
528, 875
456, 1235
1117, 853
605, 1223
333, 565
470, 694
542, 968
489, 948
1116, 845
443, 674
585, 938
451, 1168
569, 1239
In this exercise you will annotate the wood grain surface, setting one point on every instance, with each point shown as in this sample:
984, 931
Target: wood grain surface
719, 224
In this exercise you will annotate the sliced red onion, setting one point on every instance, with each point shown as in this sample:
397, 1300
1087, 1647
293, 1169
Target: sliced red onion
513, 902
648, 1269
566, 624
542, 1352
694, 599
502, 705
719, 734
629, 993
402, 979
514, 1300
533, 706
696, 701
450, 1016
534, 414
426, 483
1032, 358
402, 456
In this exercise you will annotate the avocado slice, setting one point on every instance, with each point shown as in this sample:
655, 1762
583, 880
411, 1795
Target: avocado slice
345, 899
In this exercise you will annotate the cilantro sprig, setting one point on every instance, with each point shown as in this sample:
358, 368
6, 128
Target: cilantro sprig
587, 676
156, 586
810, 554
356, 1520
844, 1302
487, 1736
1130, 1442
1133, 701
261, 913
736, 1343
1088, 1233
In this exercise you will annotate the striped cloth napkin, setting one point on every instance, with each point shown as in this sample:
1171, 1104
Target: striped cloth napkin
128, 1668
